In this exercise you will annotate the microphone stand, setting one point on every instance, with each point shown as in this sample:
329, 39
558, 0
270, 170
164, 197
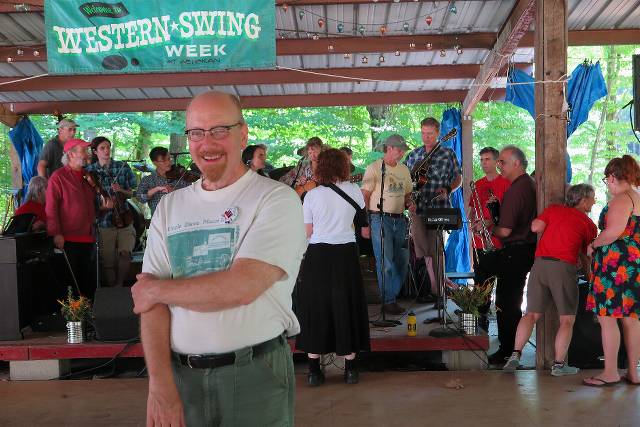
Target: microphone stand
384, 323
295, 180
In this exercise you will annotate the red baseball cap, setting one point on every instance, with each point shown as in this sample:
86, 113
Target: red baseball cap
74, 143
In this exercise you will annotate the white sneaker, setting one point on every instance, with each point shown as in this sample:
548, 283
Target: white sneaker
512, 362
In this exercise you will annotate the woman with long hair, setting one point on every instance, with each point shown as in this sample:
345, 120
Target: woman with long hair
34, 202
331, 303
615, 279
255, 157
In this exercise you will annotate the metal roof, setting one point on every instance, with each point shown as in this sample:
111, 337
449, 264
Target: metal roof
400, 22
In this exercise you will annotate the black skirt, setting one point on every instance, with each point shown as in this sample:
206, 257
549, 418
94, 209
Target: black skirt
331, 303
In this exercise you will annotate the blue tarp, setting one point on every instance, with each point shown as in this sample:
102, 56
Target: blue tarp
28, 143
584, 88
457, 247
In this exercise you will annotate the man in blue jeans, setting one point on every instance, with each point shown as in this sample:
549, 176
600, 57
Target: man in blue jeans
391, 178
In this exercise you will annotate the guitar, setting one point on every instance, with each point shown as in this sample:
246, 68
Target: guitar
311, 184
420, 169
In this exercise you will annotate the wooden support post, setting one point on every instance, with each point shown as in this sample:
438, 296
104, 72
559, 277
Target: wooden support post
551, 134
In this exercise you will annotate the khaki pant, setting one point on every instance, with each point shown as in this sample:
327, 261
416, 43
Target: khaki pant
113, 241
255, 391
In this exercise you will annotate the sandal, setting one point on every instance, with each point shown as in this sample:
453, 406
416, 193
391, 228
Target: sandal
602, 383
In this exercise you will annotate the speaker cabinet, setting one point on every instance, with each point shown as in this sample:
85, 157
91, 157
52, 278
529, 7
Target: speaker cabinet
113, 315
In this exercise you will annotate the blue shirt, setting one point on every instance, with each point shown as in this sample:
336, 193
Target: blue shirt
115, 171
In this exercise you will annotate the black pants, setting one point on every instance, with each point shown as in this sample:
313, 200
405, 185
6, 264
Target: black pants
82, 260
511, 264
482, 269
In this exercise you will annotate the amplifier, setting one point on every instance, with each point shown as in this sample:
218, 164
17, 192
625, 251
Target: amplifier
442, 218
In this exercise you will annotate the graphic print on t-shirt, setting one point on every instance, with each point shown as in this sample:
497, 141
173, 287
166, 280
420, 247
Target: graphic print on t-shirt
202, 250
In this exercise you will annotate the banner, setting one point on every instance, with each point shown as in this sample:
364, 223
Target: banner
145, 36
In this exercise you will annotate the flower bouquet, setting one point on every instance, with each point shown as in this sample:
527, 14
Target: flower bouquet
75, 311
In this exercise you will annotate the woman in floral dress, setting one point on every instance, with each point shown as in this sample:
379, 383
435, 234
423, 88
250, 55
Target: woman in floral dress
615, 282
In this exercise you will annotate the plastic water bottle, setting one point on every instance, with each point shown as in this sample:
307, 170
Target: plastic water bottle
411, 325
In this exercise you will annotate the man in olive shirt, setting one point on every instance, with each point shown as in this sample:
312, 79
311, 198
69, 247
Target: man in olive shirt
517, 212
397, 190
51, 155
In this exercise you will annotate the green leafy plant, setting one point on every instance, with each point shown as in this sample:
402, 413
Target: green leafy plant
75, 309
470, 298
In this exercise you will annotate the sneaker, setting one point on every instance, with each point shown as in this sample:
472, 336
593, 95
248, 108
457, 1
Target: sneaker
564, 369
512, 362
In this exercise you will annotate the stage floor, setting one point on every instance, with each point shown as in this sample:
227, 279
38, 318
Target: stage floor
489, 398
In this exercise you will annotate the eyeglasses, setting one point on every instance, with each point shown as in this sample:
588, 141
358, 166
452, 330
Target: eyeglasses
500, 162
217, 132
605, 179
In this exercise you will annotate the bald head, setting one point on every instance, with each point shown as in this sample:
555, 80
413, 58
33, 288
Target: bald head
214, 100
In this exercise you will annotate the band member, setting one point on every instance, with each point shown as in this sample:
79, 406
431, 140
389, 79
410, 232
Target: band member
70, 209
220, 264
117, 237
34, 203
442, 176
517, 212
301, 177
51, 155
332, 306
255, 156
566, 231
490, 190
397, 191
356, 173
153, 187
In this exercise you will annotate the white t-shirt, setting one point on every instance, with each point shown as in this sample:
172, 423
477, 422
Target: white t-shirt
330, 214
194, 231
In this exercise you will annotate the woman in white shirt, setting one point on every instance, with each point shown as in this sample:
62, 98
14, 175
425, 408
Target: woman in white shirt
331, 303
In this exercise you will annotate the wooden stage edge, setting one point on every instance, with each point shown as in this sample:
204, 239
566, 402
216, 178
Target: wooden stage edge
52, 348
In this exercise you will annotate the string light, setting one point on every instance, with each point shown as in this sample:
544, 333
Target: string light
301, 14
459, 50
443, 53
340, 27
347, 56
330, 47
428, 19
381, 59
22, 7
453, 9
405, 27
365, 60
397, 53
285, 7
315, 37
320, 22
412, 45
9, 59
36, 53
429, 45
361, 30
19, 52
383, 29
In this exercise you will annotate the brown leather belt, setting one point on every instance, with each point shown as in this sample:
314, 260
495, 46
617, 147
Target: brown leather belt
212, 361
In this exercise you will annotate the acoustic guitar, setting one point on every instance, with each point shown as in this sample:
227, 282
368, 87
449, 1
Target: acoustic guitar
420, 170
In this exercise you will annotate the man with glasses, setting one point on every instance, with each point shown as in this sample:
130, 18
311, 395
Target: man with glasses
51, 155
152, 187
221, 261
517, 212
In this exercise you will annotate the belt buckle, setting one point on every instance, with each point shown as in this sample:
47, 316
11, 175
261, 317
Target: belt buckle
189, 360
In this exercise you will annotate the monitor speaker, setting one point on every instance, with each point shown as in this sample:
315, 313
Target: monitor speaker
113, 316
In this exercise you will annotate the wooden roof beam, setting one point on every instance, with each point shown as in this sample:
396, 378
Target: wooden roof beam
224, 78
280, 101
514, 29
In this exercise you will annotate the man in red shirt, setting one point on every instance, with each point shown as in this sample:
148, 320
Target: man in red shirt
566, 232
70, 209
490, 188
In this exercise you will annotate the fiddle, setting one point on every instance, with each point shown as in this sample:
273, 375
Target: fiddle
121, 217
180, 173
